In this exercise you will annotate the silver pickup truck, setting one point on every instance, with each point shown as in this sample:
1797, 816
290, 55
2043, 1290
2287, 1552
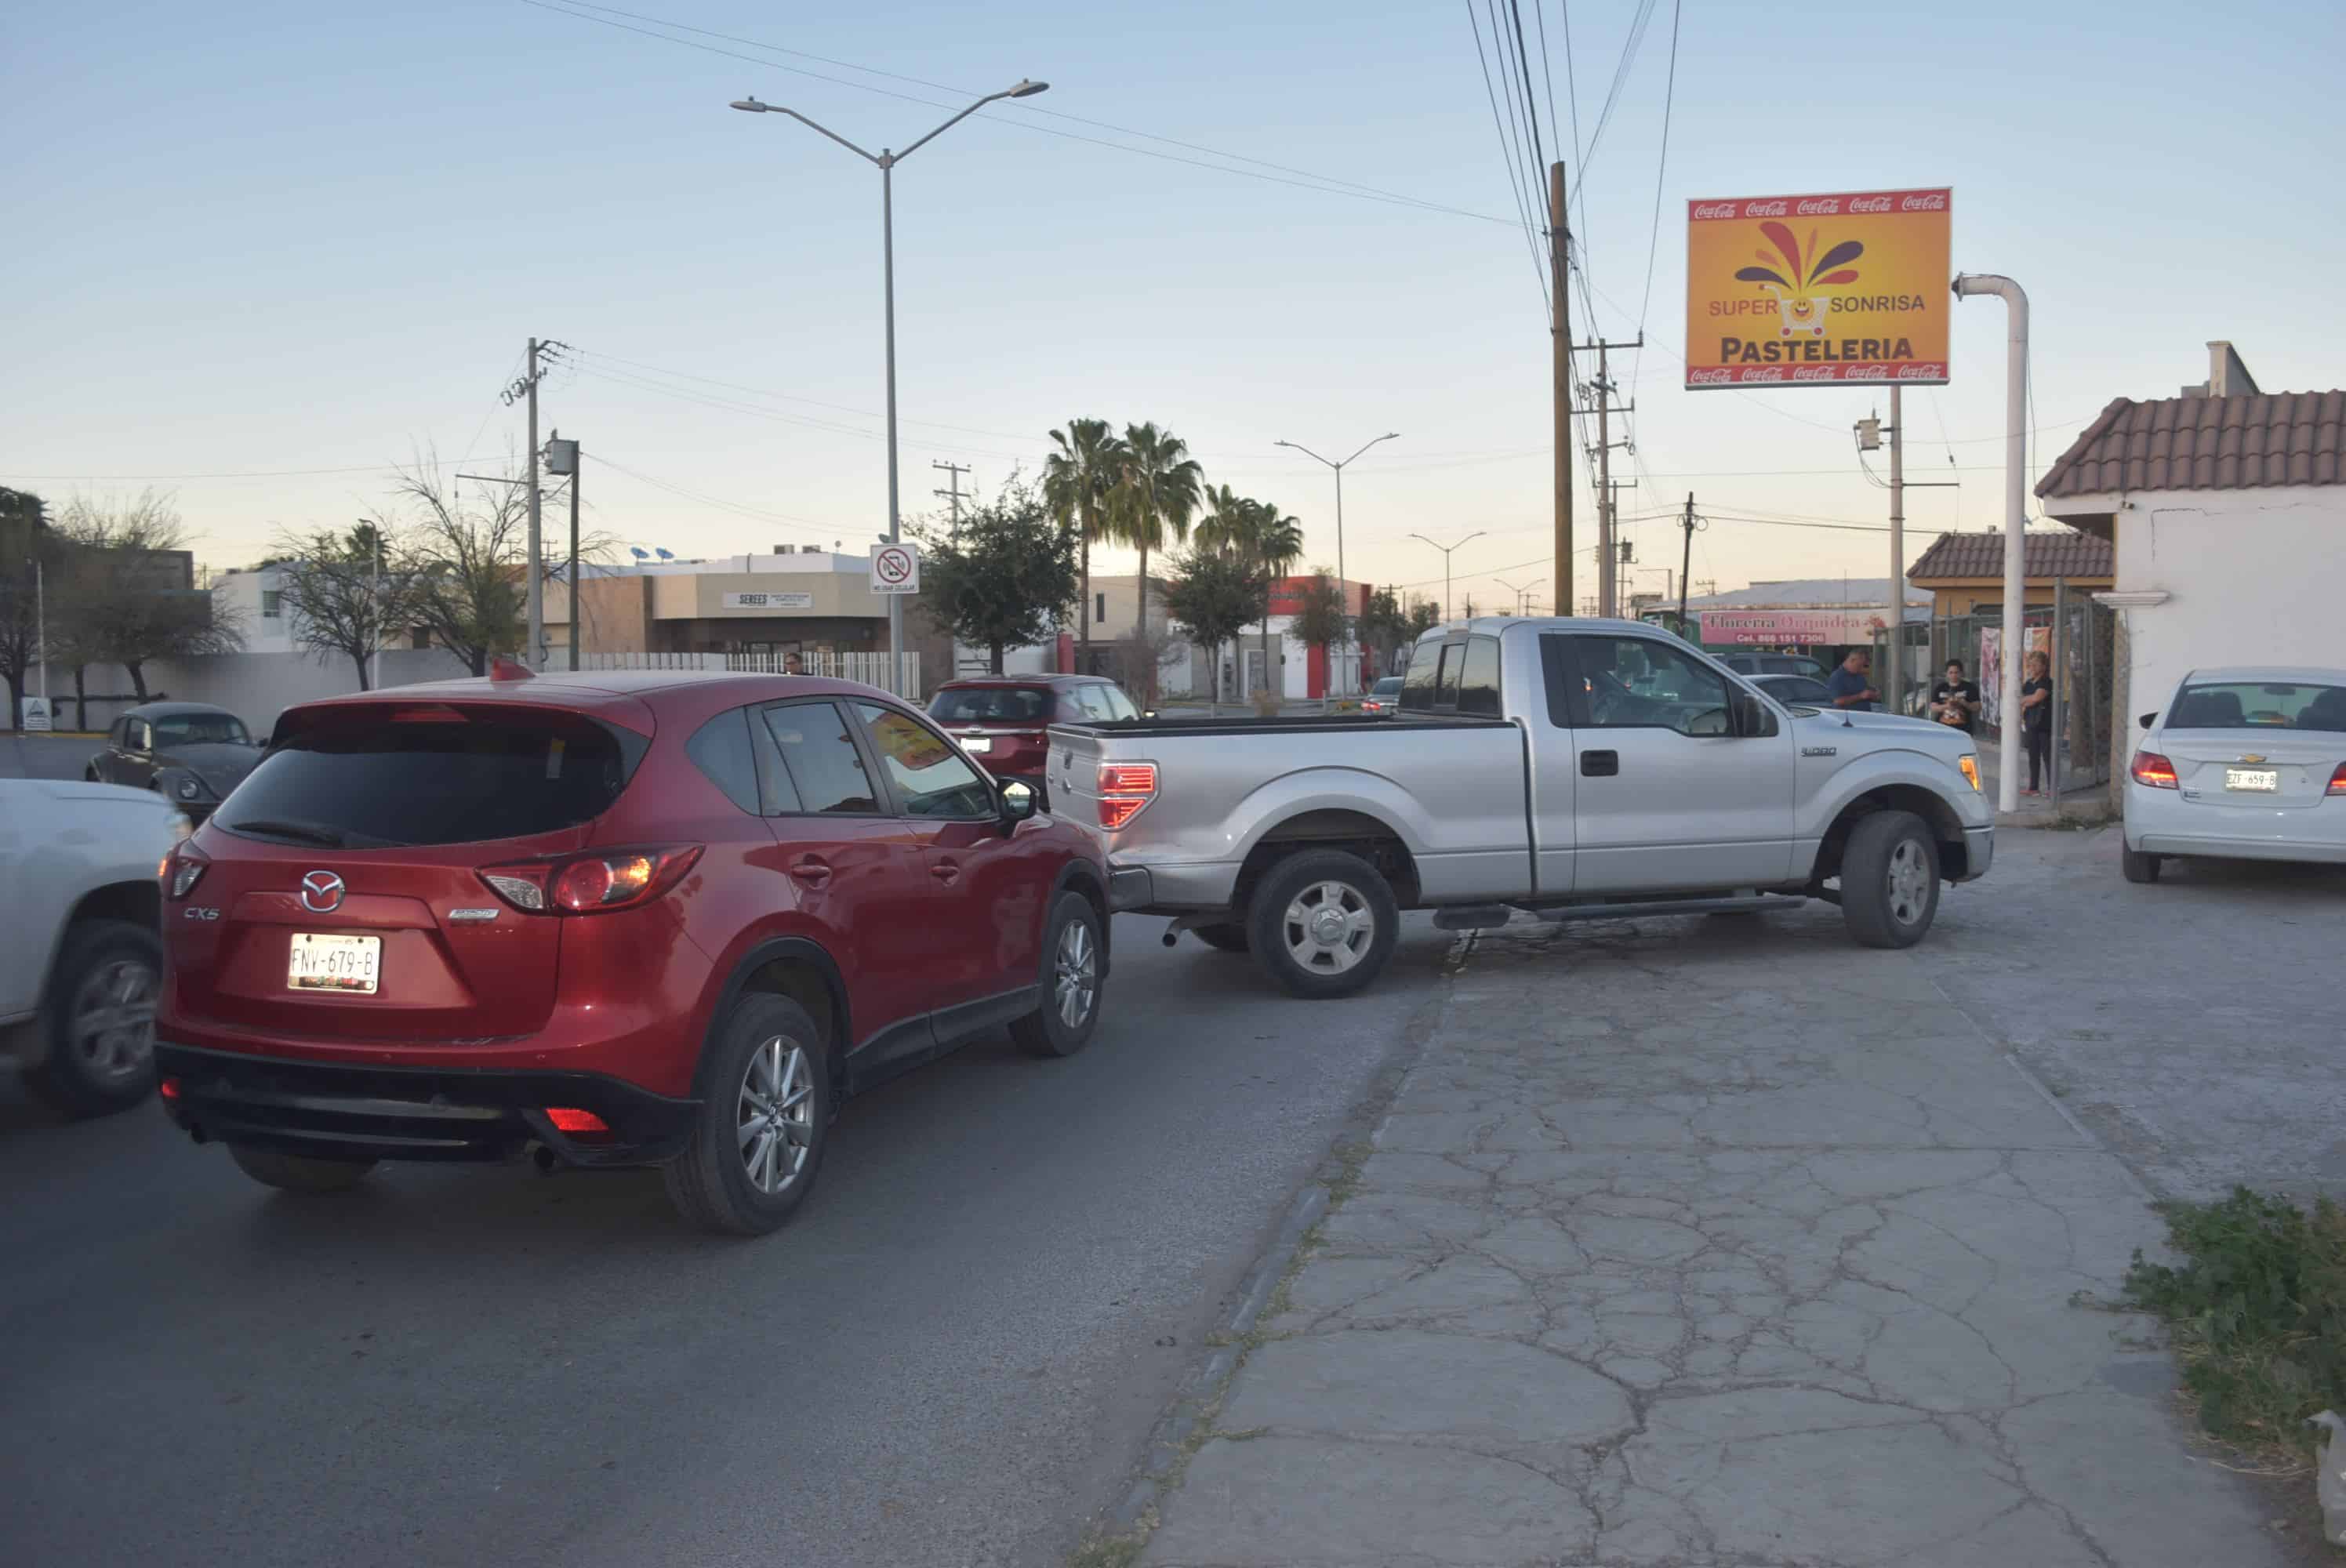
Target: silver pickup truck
1570, 769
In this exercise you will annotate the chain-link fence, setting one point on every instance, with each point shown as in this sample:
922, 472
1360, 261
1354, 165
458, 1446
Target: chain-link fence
2079, 638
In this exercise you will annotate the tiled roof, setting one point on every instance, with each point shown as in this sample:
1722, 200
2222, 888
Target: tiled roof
2049, 556
2206, 443
1806, 593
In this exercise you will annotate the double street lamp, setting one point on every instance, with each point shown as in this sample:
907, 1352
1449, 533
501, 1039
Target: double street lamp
1446, 550
1339, 467
886, 161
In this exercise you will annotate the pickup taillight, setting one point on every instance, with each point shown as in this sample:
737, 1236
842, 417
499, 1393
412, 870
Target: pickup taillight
1125, 790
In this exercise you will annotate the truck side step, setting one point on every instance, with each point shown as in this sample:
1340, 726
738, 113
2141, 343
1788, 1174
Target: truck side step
1747, 903
1470, 917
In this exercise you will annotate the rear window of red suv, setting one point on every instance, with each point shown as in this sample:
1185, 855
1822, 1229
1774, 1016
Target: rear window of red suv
433, 774
992, 705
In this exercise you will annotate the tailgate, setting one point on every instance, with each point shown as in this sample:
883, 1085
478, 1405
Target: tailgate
1072, 774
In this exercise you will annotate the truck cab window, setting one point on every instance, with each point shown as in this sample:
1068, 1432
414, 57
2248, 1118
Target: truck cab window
1478, 685
1445, 685
1636, 683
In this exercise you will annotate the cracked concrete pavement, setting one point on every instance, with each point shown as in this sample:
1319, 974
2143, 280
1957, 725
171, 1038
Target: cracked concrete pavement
1715, 1242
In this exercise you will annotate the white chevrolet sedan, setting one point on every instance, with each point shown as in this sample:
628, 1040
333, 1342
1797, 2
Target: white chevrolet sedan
2247, 763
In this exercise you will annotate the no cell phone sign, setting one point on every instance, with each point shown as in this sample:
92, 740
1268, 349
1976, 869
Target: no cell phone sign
895, 569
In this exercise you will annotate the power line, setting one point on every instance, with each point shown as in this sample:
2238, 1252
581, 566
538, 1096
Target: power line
1661, 167
795, 397
1638, 24
1531, 107
758, 514
1327, 184
1515, 175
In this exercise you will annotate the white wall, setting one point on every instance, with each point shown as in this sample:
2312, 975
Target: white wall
238, 599
255, 686
2253, 577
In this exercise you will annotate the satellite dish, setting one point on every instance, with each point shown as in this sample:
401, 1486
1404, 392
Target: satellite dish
638, 552
665, 554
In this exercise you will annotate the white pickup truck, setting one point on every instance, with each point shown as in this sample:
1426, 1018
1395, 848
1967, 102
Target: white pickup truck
1571, 768
83, 963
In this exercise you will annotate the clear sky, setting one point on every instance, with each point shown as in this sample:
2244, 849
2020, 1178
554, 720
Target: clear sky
256, 236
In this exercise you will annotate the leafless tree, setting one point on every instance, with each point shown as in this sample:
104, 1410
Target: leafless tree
127, 599
345, 595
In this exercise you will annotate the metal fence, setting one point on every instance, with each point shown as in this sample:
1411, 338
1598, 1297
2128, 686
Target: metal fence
2080, 637
870, 668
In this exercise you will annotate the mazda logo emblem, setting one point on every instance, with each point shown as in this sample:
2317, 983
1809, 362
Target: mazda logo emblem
322, 892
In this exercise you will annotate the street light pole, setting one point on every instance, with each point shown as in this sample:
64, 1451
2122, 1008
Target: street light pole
1339, 467
1446, 550
886, 161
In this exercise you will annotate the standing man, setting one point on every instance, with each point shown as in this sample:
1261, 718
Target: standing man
1955, 701
1851, 685
792, 663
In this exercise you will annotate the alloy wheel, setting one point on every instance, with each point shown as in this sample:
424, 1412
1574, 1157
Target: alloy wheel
111, 1023
1329, 927
777, 1113
1910, 882
1077, 973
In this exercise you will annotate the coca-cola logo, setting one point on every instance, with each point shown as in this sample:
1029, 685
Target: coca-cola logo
1922, 372
1776, 209
1813, 373
1775, 375
1869, 204
1708, 378
1930, 201
1825, 206
1714, 209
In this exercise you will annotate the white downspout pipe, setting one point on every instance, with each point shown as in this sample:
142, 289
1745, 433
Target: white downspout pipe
2016, 523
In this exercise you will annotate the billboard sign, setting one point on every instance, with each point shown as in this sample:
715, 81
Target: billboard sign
1787, 290
1799, 628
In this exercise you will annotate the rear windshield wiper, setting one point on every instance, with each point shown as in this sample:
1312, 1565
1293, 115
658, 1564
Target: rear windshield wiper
300, 832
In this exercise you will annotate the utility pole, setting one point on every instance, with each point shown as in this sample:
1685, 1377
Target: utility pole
536, 648
1685, 561
562, 458
951, 497
1608, 588
1893, 668
1559, 252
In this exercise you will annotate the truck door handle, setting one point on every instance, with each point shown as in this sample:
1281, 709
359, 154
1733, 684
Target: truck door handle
811, 870
1600, 764
945, 871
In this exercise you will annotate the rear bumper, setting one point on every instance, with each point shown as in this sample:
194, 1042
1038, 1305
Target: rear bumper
1172, 889
2235, 848
339, 1112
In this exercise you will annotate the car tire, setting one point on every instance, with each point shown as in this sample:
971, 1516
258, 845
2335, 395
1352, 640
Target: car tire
767, 1064
2138, 867
98, 1022
298, 1173
1229, 938
1308, 959
1889, 879
1073, 982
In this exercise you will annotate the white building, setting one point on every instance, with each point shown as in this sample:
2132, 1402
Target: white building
2227, 507
254, 601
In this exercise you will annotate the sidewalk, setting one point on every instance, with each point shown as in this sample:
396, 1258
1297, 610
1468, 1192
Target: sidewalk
1701, 1243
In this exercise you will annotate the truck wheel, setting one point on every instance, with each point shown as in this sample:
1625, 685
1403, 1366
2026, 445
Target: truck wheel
1072, 981
298, 1173
1322, 923
1231, 938
2138, 867
1890, 879
765, 1112
99, 1023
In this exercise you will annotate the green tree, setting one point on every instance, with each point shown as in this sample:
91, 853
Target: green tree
1214, 592
1384, 627
1259, 531
1320, 618
1078, 485
1004, 580
1157, 494
1424, 615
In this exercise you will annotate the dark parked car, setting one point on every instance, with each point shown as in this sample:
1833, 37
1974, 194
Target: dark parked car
1772, 664
191, 753
633, 919
1001, 719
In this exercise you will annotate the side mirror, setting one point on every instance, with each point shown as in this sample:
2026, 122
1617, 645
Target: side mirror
1018, 803
2149, 719
1749, 714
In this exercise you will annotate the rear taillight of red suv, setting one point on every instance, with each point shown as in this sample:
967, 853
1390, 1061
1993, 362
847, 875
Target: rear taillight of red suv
180, 870
594, 884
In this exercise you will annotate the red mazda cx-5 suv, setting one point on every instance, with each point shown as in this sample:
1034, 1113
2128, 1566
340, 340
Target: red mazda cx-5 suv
606, 919
1004, 720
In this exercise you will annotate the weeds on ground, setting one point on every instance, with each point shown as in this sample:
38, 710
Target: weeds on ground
2258, 1313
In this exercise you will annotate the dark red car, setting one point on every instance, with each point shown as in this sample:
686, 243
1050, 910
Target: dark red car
610, 919
1000, 719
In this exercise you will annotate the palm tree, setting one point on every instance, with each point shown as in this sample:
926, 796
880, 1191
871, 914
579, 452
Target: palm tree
1230, 525
1078, 484
1156, 497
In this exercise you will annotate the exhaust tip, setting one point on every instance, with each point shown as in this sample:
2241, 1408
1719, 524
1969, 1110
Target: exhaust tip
543, 1158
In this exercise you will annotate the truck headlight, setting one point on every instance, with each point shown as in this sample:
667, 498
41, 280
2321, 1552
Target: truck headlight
188, 790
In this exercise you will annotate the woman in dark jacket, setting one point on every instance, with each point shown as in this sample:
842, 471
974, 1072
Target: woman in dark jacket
2037, 721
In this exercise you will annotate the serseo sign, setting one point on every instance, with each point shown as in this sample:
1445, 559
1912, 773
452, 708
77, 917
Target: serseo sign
1788, 289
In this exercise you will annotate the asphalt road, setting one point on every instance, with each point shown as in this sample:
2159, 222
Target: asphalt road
952, 1356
